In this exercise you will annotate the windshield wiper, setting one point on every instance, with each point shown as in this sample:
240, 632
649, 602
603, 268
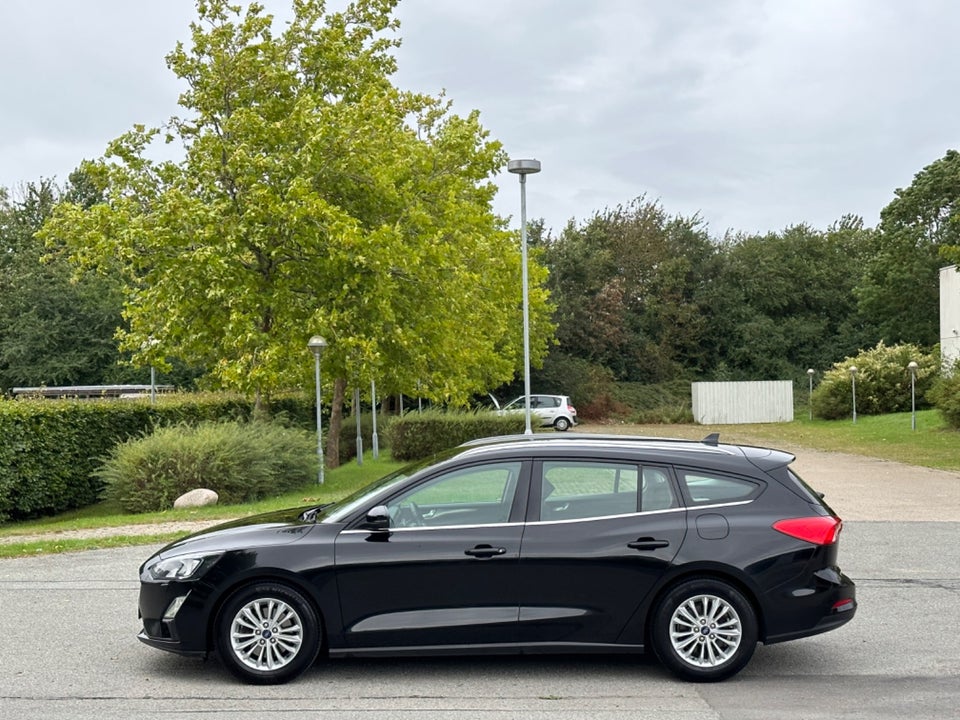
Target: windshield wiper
311, 514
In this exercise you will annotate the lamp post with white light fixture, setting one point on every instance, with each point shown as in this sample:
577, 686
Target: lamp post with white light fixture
317, 345
524, 168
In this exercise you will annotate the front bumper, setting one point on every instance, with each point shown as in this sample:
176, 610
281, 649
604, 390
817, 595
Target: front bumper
173, 618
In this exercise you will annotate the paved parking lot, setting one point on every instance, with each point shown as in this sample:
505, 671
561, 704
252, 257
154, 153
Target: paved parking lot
68, 626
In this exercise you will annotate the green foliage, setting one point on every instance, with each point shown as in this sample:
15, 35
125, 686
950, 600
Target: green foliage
587, 384
419, 435
626, 286
920, 229
657, 404
945, 396
55, 328
783, 302
883, 382
51, 448
240, 462
313, 197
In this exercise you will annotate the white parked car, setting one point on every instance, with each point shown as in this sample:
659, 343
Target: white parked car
555, 410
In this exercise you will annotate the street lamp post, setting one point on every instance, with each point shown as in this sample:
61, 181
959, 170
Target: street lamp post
524, 168
356, 413
317, 345
853, 386
373, 402
912, 367
810, 376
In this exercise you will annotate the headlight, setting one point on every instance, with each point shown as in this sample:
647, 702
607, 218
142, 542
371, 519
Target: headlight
182, 567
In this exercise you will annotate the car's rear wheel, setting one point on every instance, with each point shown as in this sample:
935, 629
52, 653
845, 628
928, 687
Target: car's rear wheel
561, 424
704, 630
267, 634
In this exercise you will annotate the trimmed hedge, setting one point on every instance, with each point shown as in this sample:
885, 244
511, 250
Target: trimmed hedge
50, 449
419, 435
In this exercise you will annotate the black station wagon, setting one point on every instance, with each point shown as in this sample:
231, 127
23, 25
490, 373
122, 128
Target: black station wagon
528, 544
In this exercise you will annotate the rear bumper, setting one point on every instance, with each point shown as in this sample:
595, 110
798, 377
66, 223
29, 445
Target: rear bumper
829, 603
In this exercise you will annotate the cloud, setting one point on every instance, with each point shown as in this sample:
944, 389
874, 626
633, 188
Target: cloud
755, 113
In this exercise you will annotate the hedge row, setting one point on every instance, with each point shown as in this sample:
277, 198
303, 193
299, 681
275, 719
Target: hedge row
50, 449
420, 435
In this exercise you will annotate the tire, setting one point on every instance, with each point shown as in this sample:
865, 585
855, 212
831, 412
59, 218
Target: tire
704, 630
267, 634
561, 424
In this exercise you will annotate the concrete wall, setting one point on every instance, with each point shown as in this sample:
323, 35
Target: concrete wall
728, 403
949, 314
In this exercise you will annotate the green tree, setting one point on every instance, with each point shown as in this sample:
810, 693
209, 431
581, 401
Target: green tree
55, 329
313, 197
920, 231
784, 301
626, 285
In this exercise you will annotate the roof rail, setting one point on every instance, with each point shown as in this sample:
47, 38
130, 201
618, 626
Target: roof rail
712, 439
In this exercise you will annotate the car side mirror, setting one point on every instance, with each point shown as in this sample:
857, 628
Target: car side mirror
377, 520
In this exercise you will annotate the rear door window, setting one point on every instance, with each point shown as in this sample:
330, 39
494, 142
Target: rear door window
573, 489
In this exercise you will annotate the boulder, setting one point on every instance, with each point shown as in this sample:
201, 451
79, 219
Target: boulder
196, 498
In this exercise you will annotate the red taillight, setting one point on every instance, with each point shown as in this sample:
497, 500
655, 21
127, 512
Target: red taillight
571, 409
819, 530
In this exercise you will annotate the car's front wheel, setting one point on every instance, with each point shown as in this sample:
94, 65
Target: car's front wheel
268, 634
704, 630
561, 424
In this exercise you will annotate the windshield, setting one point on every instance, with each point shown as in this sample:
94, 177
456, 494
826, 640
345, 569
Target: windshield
339, 511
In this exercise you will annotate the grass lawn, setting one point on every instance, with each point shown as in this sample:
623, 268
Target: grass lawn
890, 437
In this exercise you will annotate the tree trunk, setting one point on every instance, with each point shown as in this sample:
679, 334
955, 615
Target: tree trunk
336, 423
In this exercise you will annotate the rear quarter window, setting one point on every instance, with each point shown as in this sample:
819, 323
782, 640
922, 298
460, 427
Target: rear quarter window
704, 487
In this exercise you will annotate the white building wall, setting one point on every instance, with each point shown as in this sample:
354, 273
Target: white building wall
729, 403
949, 314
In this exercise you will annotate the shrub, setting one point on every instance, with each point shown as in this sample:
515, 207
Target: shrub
419, 435
240, 462
945, 396
585, 383
883, 382
657, 403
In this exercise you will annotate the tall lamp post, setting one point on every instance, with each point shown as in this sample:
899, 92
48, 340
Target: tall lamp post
373, 403
912, 367
810, 376
317, 345
524, 168
853, 386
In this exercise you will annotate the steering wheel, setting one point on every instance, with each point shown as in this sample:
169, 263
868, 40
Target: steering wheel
408, 515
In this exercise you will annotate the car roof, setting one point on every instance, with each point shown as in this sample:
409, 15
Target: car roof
708, 450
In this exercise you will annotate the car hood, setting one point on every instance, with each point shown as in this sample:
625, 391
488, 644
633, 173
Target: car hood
275, 528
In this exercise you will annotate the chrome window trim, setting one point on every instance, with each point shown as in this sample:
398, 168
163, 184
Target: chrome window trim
645, 513
435, 527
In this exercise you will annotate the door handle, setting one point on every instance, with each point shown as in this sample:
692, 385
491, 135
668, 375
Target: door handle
485, 551
648, 543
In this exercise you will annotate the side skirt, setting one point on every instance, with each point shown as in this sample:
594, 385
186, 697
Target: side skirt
497, 649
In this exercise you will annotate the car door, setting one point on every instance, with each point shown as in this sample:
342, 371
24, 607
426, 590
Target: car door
600, 534
445, 571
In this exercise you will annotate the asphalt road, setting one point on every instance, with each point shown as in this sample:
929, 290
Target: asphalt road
68, 650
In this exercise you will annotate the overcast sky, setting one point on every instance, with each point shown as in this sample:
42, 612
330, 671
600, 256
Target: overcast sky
756, 114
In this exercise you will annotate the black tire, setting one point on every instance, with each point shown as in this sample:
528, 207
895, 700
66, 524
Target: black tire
561, 424
267, 634
704, 630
